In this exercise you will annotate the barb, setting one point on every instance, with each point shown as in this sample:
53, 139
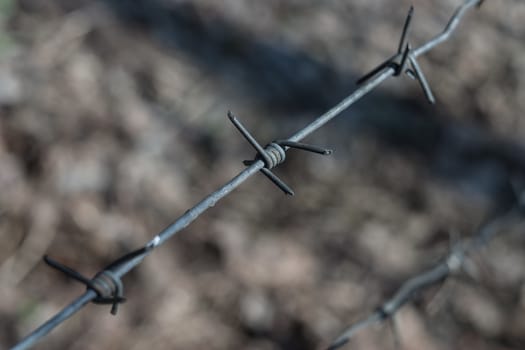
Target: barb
406, 27
274, 153
448, 266
399, 61
266, 158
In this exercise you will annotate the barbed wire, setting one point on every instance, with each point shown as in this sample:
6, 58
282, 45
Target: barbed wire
106, 286
448, 266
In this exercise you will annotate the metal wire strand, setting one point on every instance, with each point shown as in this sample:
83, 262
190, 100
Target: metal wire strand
126, 263
409, 290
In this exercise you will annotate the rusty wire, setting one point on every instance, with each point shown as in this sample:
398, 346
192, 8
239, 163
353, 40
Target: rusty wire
107, 288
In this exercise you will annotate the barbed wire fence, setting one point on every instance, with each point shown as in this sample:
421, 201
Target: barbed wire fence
106, 287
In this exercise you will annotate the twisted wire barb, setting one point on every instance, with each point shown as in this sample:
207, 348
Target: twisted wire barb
451, 264
266, 159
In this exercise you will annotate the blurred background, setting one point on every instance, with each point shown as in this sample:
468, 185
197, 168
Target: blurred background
113, 123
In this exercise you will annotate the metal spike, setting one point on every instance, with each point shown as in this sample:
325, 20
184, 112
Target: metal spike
67, 271
376, 70
251, 140
280, 183
304, 147
406, 27
422, 80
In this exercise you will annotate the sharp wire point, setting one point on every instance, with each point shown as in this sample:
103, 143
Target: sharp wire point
420, 76
376, 70
277, 181
406, 28
66, 270
304, 147
251, 140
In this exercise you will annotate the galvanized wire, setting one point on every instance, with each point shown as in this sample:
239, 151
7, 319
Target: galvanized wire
124, 264
451, 264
